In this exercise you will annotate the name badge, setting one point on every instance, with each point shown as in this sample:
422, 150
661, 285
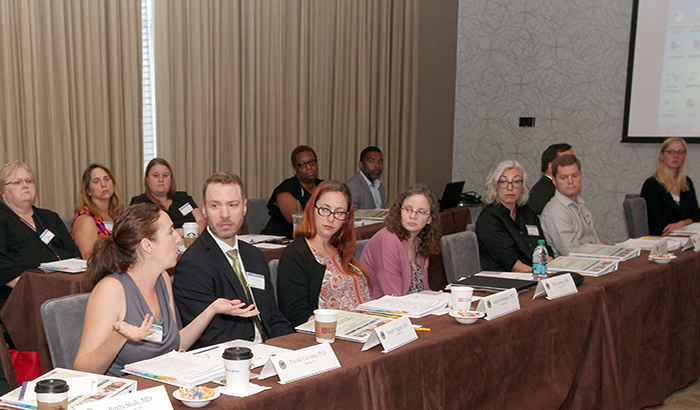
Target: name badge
301, 363
532, 230
186, 209
556, 287
256, 280
660, 247
392, 335
157, 336
46, 236
155, 398
499, 304
108, 225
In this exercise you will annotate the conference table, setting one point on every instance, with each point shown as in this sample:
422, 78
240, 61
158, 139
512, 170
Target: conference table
624, 341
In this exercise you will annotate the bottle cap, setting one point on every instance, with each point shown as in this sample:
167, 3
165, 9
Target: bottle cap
540, 242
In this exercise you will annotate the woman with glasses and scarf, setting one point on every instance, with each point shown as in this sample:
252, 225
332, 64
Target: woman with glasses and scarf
507, 229
318, 269
290, 197
670, 194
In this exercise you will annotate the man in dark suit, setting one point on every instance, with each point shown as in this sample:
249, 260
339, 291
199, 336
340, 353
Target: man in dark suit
544, 189
218, 265
366, 188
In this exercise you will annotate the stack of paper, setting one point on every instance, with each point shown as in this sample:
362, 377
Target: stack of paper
413, 305
618, 253
584, 266
83, 388
689, 230
647, 242
354, 327
73, 265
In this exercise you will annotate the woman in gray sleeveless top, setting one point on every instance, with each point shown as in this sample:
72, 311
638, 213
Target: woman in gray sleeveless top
131, 314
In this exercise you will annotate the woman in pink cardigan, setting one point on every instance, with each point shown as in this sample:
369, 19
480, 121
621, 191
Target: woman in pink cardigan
397, 256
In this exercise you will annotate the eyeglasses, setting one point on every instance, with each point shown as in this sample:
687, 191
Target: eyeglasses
339, 215
18, 182
419, 212
503, 184
674, 153
313, 163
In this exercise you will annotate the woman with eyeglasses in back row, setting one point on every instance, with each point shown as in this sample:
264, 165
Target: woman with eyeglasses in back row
291, 196
397, 256
29, 235
318, 270
670, 194
507, 229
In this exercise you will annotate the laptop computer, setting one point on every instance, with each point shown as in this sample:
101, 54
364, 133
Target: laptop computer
452, 195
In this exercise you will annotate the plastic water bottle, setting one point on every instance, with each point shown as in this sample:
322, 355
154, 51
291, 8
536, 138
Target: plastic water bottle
539, 261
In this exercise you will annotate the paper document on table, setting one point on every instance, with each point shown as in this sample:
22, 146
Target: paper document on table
180, 368
354, 327
689, 229
647, 242
584, 266
73, 265
411, 305
618, 253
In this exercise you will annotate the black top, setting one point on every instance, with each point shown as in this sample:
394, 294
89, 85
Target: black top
204, 274
504, 241
21, 248
663, 210
181, 198
540, 194
277, 225
299, 282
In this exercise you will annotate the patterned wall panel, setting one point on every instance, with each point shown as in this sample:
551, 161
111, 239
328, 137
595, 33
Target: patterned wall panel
564, 63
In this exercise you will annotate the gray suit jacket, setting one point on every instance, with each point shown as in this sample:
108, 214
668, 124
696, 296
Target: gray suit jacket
361, 195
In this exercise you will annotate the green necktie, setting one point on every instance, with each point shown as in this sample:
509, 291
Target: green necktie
233, 254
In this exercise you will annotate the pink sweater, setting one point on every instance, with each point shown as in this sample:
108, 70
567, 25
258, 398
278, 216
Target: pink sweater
386, 259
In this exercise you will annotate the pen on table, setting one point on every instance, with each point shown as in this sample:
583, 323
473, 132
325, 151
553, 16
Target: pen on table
367, 312
423, 329
205, 350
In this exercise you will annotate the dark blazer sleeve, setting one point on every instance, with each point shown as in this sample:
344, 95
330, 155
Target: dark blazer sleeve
299, 281
689, 202
540, 194
274, 322
497, 248
65, 244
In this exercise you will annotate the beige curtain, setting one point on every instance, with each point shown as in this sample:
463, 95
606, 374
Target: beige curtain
70, 92
240, 83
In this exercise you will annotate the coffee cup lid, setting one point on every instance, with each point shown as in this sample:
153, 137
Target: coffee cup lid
51, 386
237, 353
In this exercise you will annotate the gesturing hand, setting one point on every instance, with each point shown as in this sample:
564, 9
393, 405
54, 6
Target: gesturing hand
234, 308
132, 332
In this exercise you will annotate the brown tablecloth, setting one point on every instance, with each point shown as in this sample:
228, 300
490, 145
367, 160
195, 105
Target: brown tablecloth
21, 314
624, 341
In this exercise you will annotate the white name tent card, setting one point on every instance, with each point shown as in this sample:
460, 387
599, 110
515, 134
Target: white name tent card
392, 335
556, 287
499, 304
695, 240
301, 363
155, 398
660, 247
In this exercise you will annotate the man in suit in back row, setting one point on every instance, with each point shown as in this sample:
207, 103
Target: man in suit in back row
366, 188
218, 265
544, 189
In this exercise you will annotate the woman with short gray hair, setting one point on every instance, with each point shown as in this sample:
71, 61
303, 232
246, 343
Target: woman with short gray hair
507, 229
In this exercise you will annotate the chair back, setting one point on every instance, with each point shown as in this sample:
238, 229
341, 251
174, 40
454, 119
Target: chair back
636, 216
359, 248
273, 264
63, 320
460, 254
256, 217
